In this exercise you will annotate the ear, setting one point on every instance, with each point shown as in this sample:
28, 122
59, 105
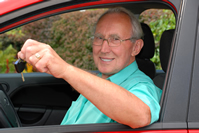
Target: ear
137, 46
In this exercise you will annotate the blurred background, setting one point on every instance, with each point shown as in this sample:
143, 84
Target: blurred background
70, 34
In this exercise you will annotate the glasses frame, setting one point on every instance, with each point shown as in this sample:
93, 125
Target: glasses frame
121, 40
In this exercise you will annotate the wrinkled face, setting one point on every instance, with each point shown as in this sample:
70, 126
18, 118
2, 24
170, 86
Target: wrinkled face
110, 60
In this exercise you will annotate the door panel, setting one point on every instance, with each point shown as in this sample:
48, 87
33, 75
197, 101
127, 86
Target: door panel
41, 99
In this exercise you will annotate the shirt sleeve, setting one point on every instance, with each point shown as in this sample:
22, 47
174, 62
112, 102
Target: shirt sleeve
150, 95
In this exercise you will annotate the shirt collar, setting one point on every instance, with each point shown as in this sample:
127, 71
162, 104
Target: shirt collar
123, 74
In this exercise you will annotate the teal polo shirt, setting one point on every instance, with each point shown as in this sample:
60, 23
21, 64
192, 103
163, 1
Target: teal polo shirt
132, 79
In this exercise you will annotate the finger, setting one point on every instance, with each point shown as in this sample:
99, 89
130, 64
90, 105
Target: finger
32, 51
31, 47
41, 61
20, 55
26, 49
34, 58
28, 43
48, 63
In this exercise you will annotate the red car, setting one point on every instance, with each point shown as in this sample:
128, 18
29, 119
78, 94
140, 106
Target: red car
40, 103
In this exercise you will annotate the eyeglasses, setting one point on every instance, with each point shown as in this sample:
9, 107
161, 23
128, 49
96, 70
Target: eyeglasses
112, 40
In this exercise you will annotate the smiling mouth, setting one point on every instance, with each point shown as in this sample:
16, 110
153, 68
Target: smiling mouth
106, 60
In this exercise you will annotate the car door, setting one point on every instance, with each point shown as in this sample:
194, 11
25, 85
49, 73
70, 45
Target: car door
181, 83
193, 119
43, 99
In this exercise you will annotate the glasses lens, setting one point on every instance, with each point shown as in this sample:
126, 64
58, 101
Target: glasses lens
97, 40
114, 41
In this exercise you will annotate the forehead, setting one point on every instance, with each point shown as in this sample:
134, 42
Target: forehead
114, 23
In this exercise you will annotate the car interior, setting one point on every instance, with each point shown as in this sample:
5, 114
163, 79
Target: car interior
147, 52
21, 108
165, 50
8, 116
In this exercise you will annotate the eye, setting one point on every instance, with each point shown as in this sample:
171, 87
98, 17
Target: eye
98, 38
116, 38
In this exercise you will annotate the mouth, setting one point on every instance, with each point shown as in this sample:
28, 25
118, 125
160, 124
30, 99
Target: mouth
106, 59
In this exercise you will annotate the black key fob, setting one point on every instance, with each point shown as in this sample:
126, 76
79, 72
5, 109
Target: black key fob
19, 65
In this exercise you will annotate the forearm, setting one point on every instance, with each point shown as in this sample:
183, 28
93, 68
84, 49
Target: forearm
113, 100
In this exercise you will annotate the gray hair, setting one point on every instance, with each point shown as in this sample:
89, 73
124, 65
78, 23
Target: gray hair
137, 30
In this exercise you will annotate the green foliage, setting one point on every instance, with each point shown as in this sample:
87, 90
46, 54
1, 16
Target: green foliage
71, 37
69, 34
40, 30
14, 37
7, 57
159, 21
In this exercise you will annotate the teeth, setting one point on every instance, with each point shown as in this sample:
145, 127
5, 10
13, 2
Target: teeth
107, 59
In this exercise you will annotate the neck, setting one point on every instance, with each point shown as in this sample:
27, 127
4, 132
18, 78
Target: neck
105, 76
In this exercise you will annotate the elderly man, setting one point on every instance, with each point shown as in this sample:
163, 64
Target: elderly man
121, 92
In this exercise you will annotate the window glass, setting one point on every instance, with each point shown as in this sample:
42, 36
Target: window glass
158, 20
70, 34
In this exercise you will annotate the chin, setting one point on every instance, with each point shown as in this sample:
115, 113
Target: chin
108, 73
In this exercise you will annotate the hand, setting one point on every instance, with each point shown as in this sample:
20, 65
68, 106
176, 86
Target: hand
43, 58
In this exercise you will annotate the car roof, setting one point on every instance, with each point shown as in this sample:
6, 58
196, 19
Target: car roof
7, 6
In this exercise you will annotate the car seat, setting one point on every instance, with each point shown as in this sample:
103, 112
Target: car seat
147, 52
165, 48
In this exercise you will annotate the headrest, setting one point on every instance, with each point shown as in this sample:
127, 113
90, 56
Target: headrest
148, 49
165, 48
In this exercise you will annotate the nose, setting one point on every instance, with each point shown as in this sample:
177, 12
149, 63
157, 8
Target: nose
105, 48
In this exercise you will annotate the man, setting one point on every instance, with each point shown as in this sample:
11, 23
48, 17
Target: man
121, 92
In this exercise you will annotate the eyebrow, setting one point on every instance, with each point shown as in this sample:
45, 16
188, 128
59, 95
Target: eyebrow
98, 34
114, 35
111, 35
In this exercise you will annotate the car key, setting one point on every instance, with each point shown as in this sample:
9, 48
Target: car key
19, 67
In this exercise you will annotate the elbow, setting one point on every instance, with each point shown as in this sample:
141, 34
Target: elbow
143, 119
142, 122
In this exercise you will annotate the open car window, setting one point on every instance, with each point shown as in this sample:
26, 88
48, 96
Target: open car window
70, 35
